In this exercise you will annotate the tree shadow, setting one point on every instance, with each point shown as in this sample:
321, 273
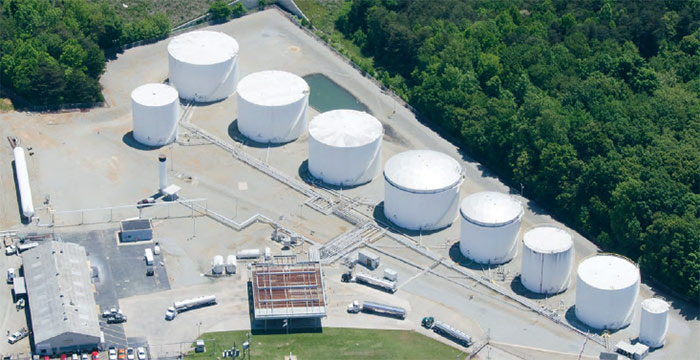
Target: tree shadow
237, 136
305, 175
130, 141
384, 222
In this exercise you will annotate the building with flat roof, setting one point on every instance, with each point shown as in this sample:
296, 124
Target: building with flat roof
60, 298
285, 288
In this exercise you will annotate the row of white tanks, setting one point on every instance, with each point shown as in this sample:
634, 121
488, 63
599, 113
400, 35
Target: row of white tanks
421, 190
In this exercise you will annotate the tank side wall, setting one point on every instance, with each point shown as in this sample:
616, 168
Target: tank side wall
653, 328
272, 124
488, 245
204, 82
605, 309
418, 211
546, 273
345, 166
155, 125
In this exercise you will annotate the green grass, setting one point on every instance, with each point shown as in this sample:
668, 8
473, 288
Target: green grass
332, 343
178, 11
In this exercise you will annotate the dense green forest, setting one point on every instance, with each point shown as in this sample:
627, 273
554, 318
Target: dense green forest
594, 106
53, 51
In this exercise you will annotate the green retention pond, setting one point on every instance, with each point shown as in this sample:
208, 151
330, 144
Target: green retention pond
326, 95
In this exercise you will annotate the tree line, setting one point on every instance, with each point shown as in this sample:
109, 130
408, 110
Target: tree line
53, 51
593, 106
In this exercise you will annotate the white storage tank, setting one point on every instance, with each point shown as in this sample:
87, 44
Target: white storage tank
155, 111
421, 189
248, 254
231, 264
606, 291
203, 65
489, 227
217, 266
273, 106
548, 256
345, 147
654, 323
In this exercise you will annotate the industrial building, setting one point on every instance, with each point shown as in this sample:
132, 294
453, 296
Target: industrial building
203, 65
421, 189
548, 257
345, 147
489, 227
136, 230
273, 106
60, 297
654, 323
606, 291
155, 112
285, 288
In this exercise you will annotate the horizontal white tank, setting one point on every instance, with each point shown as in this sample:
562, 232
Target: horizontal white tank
654, 323
421, 189
606, 291
345, 147
217, 266
548, 256
203, 65
25, 191
155, 111
248, 254
273, 106
489, 227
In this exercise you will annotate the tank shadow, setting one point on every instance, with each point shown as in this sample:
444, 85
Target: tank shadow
305, 175
237, 136
517, 286
129, 140
459, 258
385, 223
575, 322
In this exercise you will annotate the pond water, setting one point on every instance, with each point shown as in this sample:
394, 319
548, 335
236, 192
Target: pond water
326, 95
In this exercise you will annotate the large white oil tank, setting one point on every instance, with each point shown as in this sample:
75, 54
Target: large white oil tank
155, 111
654, 323
421, 189
273, 106
489, 227
217, 266
25, 191
345, 147
203, 65
548, 256
606, 291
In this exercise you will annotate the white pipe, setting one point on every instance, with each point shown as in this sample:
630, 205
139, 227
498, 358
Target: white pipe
163, 173
25, 191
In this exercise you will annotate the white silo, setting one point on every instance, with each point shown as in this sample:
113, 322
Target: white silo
273, 106
345, 147
421, 189
203, 65
654, 323
155, 111
217, 266
489, 227
548, 256
606, 291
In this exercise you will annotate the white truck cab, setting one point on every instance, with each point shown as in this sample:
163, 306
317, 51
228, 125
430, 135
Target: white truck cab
170, 313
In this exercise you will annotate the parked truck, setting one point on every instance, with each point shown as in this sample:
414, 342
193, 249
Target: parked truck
26, 246
181, 306
446, 330
362, 278
148, 255
376, 308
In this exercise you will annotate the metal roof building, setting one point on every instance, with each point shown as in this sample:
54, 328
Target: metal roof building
285, 289
60, 297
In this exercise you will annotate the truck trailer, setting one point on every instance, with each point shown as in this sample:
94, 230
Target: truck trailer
181, 306
376, 308
447, 331
385, 285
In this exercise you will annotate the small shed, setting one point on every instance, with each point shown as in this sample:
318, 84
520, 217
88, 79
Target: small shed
136, 230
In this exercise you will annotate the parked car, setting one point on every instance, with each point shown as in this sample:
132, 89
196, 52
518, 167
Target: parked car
130, 354
111, 312
141, 353
95, 355
10, 250
112, 353
122, 354
11, 275
84, 357
74, 357
20, 304
17, 336
64, 356
116, 319
145, 202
